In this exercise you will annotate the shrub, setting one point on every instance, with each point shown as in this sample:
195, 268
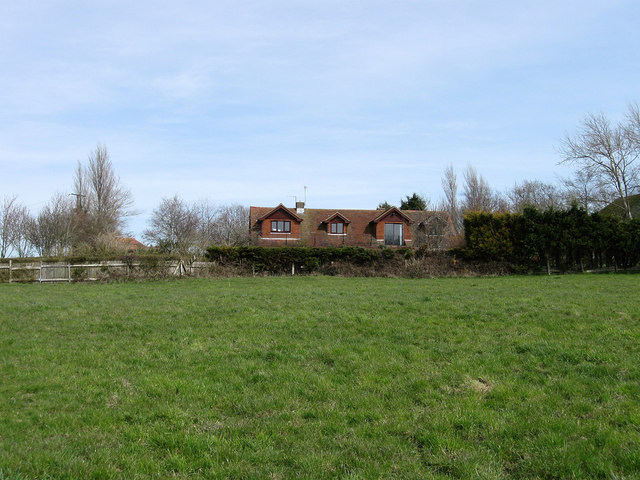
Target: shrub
388, 253
79, 274
407, 253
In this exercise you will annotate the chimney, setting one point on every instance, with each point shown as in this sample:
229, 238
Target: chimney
299, 207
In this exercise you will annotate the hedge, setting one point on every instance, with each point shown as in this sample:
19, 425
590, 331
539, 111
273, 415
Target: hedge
564, 239
281, 259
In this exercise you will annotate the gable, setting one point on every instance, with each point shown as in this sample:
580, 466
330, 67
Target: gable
393, 215
280, 213
336, 217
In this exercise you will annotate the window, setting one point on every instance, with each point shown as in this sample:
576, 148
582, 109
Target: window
435, 228
337, 228
393, 233
281, 226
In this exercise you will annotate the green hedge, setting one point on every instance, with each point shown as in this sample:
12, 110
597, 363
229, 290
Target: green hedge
280, 259
564, 239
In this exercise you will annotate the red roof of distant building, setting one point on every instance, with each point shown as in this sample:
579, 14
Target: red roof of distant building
131, 244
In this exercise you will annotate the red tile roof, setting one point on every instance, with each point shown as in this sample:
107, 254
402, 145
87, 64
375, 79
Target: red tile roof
130, 244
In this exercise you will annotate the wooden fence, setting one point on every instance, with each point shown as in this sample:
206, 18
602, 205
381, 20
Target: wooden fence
42, 272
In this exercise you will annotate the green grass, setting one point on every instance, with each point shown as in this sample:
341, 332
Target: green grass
316, 377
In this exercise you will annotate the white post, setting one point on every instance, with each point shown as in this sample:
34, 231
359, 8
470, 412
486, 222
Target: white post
9, 270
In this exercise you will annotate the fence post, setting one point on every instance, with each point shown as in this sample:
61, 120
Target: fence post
9, 270
69, 272
40, 276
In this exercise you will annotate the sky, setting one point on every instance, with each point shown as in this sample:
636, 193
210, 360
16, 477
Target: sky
249, 102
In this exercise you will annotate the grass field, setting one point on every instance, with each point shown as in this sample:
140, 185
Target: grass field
318, 377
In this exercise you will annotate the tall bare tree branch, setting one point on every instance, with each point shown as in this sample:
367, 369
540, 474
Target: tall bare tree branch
450, 187
607, 152
477, 195
102, 203
12, 215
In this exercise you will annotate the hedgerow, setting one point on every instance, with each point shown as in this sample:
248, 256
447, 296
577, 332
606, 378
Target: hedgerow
281, 259
563, 239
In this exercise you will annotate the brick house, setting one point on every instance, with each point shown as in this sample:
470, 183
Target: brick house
278, 226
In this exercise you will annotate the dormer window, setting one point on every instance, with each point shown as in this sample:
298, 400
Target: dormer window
337, 228
336, 224
280, 226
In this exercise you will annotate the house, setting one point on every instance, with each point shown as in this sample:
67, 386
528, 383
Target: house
278, 226
130, 245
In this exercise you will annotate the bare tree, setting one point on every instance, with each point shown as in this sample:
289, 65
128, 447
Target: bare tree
633, 133
6, 224
178, 227
51, 232
232, 222
478, 195
21, 242
450, 204
221, 225
12, 214
608, 152
173, 226
587, 190
534, 193
206, 214
102, 203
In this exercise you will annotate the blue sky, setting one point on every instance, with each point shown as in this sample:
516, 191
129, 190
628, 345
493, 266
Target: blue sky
250, 101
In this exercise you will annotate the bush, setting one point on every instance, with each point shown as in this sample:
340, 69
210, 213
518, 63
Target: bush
388, 253
407, 253
149, 263
79, 274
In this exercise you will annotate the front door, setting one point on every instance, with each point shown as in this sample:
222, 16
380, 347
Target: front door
393, 233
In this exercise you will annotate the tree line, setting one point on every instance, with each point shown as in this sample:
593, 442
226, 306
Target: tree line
90, 219
606, 173
178, 227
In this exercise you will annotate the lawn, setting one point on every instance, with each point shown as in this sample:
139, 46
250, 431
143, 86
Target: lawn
320, 377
